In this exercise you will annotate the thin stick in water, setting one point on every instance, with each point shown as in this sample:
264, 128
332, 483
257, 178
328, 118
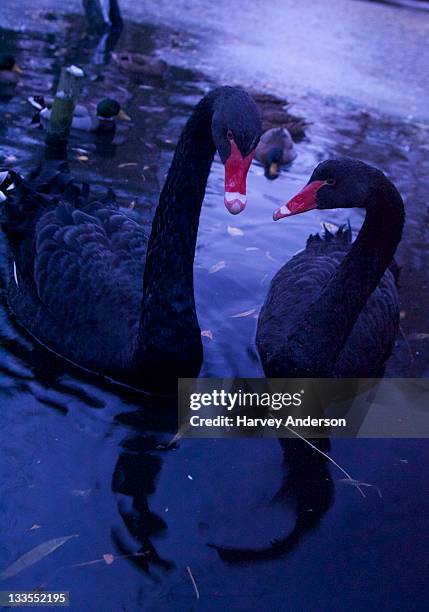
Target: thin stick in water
295, 433
197, 593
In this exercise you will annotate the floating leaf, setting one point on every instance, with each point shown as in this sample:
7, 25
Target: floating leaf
268, 256
33, 556
85, 493
207, 333
234, 231
246, 313
420, 336
217, 266
108, 559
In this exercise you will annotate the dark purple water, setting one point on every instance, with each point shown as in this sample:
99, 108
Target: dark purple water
80, 457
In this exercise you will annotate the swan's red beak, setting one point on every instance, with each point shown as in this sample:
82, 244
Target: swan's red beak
236, 169
302, 202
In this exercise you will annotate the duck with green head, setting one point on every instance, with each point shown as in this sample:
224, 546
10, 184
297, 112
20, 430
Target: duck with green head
104, 119
9, 70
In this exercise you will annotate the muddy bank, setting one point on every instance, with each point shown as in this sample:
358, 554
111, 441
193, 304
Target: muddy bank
371, 52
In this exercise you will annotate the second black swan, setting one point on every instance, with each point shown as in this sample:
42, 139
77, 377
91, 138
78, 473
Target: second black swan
90, 284
332, 310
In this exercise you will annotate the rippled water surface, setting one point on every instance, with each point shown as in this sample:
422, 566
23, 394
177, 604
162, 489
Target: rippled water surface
80, 456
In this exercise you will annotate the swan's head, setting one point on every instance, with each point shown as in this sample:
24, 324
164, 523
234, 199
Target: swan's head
337, 183
236, 129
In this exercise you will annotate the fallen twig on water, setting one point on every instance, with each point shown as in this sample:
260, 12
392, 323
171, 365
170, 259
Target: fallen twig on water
197, 593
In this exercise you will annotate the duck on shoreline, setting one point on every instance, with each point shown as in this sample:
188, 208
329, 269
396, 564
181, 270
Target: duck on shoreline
138, 63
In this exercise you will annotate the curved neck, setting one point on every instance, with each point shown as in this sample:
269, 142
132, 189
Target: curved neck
314, 345
168, 323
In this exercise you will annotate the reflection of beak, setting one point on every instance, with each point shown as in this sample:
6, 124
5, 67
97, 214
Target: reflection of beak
273, 171
17, 69
236, 169
123, 116
302, 202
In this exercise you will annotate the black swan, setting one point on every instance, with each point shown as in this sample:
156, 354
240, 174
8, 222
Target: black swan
332, 310
87, 282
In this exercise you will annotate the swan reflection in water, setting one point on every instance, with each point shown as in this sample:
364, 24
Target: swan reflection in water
306, 487
133, 481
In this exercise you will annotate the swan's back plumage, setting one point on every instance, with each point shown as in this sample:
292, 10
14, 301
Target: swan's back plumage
299, 283
79, 264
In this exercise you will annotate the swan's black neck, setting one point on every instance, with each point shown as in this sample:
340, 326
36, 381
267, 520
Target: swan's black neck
314, 345
169, 335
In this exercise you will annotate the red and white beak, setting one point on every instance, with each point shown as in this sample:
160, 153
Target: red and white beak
303, 201
236, 169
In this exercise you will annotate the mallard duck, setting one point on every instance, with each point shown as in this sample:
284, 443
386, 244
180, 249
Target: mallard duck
141, 64
9, 70
275, 149
274, 115
104, 119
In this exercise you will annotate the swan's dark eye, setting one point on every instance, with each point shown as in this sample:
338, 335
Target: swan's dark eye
330, 181
230, 135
